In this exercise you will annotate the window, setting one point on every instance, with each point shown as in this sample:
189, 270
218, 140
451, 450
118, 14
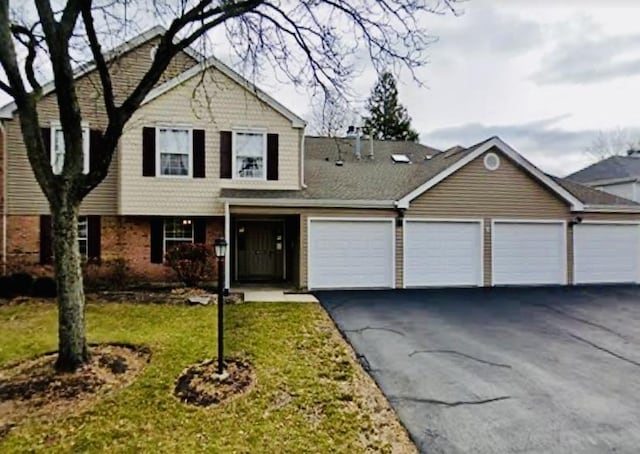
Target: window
177, 231
83, 235
250, 150
57, 150
174, 152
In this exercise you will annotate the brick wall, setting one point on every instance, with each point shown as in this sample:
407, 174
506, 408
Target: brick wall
122, 237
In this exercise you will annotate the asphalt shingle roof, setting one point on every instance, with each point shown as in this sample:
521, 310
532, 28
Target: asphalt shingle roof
613, 167
380, 178
590, 196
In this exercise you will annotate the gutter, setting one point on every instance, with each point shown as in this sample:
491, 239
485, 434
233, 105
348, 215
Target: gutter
611, 209
304, 203
608, 181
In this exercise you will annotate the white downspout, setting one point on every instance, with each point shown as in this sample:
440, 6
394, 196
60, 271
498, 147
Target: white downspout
227, 236
302, 183
5, 161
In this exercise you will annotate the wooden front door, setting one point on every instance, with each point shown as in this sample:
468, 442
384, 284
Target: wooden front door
260, 250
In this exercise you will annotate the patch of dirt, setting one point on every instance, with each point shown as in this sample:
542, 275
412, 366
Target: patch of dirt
199, 385
179, 295
33, 388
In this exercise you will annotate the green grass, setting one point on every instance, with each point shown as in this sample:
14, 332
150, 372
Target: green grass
303, 401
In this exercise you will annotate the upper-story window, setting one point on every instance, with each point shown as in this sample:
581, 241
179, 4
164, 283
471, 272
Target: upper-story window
250, 155
57, 150
174, 152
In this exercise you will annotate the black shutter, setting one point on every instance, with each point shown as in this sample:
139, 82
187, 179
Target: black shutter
272, 156
200, 230
148, 152
96, 148
46, 138
225, 154
46, 249
198, 153
157, 239
93, 237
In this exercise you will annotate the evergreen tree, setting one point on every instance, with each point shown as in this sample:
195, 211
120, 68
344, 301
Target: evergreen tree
388, 119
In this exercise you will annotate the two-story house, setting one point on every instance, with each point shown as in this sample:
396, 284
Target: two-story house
208, 154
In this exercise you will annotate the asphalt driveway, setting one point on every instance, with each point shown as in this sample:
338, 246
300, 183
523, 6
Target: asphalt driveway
528, 370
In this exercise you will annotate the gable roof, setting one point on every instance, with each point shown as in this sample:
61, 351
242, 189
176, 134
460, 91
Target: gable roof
213, 62
475, 151
614, 168
7, 110
381, 183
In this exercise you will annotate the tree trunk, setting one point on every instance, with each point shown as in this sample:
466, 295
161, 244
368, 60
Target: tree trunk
72, 349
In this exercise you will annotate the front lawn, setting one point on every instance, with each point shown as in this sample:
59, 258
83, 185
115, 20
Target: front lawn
310, 395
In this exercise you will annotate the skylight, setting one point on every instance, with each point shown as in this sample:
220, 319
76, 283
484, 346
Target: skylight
400, 158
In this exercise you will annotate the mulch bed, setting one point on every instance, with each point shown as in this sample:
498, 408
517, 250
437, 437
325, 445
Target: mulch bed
33, 388
198, 384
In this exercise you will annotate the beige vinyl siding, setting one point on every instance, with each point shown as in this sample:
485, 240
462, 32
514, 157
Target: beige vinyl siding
24, 193
214, 103
475, 192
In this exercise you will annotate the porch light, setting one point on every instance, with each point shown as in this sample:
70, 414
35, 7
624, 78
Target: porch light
220, 247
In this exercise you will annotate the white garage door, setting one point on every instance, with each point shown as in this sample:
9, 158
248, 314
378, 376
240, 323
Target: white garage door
606, 253
442, 254
528, 253
351, 253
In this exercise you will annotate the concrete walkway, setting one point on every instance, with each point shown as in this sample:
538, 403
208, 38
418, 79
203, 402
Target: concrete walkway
275, 296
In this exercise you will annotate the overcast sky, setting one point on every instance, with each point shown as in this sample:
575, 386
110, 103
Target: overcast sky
545, 78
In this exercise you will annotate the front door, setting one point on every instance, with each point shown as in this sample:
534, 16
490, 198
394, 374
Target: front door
260, 250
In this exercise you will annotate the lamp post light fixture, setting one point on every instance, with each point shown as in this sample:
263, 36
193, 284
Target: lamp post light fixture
220, 249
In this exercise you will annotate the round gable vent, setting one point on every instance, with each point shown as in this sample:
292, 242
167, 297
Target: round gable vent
491, 161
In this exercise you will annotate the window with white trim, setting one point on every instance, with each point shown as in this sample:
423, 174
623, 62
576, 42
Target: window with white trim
250, 155
175, 154
57, 150
177, 231
83, 235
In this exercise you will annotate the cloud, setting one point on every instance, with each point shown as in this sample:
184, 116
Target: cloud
487, 30
591, 60
555, 150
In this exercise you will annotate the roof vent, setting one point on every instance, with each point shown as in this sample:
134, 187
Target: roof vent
400, 159
427, 157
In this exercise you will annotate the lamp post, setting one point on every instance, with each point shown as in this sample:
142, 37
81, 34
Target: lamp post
220, 248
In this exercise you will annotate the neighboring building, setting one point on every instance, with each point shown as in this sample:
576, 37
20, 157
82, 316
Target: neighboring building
314, 212
618, 175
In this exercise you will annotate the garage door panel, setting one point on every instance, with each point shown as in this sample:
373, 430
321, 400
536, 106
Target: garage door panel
606, 253
350, 254
528, 253
442, 254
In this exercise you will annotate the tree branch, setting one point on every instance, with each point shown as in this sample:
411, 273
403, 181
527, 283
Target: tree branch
101, 64
31, 44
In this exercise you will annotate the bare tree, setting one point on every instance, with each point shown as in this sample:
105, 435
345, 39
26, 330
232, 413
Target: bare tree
612, 142
310, 42
331, 115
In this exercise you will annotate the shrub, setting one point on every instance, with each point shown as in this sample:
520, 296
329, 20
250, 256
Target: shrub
21, 283
44, 287
192, 263
114, 274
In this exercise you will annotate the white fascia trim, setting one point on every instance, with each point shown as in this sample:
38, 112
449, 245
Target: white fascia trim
610, 209
323, 203
296, 121
7, 110
511, 153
